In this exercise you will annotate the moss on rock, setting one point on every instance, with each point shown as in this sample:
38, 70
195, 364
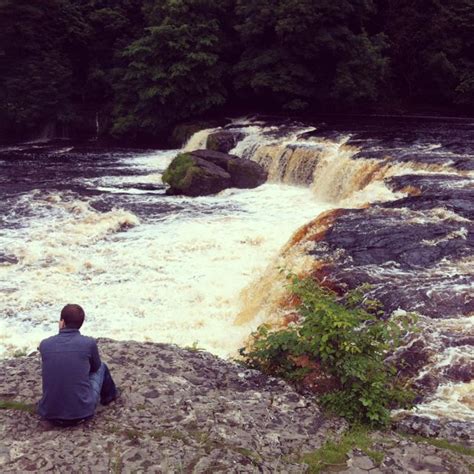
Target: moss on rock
190, 175
204, 172
180, 171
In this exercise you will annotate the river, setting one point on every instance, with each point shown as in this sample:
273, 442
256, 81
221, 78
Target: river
91, 225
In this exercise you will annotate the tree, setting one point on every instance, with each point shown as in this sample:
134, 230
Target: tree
300, 52
176, 69
114, 24
36, 72
432, 50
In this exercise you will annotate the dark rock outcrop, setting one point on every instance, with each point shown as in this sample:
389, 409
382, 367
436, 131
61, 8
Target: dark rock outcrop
223, 140
204, 172
415, 251
192, 176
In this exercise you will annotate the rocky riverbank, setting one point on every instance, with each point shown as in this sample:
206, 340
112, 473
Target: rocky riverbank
182, 410
402, 221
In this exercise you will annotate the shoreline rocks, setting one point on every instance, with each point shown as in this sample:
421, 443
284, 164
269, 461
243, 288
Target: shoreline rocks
187, 411
180, 411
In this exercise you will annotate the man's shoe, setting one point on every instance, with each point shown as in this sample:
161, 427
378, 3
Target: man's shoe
107, 401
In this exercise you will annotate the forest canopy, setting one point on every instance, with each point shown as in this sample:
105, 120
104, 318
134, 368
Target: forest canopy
139, 66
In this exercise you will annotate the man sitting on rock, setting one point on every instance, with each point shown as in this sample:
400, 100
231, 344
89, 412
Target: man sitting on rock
74, 378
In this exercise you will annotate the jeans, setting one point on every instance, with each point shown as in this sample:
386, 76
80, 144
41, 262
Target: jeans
103, 385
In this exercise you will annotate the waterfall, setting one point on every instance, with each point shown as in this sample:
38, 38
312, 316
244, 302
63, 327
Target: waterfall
295, 155
198, 140
326, 166
266, 299
354, 238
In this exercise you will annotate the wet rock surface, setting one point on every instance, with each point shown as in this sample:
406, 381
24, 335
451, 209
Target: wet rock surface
415, 250
451, 192
418, 254
243, 173
405, 255
188, 411
436, 428
202, 178
223, 140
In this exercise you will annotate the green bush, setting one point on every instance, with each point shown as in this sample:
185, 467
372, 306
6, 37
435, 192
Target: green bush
349, 340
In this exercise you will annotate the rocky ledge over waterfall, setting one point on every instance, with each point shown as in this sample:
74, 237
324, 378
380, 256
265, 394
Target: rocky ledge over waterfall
183, 410
416, 252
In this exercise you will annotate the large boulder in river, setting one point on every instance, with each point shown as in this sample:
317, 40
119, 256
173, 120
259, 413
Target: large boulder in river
204, 172
193, 176
223, 140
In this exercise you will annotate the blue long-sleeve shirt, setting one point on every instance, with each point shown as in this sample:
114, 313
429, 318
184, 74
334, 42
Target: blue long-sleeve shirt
67, 360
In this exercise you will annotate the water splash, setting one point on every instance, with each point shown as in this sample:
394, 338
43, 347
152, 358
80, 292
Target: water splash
198, 140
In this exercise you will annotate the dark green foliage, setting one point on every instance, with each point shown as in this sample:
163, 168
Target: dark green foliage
301, 52
56, 58
36, 71
175, 70
141, 66
350, 341
432, 50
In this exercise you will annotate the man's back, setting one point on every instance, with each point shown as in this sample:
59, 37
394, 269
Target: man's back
67, 360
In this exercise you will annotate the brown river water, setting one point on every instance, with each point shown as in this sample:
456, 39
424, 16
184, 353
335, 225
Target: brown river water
379, 200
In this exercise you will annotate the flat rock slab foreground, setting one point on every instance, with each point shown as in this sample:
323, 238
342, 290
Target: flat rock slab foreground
183, 411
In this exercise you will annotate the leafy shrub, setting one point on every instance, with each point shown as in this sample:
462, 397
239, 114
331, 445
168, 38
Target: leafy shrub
350, 341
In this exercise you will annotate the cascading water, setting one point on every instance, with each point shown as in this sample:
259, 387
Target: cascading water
351, 173
198, 140
96, 228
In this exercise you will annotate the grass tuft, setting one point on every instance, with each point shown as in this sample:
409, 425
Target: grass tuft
443, 444
16, 405
334, 454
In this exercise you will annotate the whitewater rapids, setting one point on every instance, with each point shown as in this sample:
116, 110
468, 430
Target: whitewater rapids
144, 266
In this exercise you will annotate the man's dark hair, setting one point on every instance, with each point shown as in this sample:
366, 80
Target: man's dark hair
73, 316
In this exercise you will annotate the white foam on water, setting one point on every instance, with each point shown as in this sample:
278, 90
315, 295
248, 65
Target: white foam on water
450, 401
198, 140
157, 160
183, 278
176, 280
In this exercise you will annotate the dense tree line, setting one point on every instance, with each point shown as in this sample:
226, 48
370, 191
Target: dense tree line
142, 65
